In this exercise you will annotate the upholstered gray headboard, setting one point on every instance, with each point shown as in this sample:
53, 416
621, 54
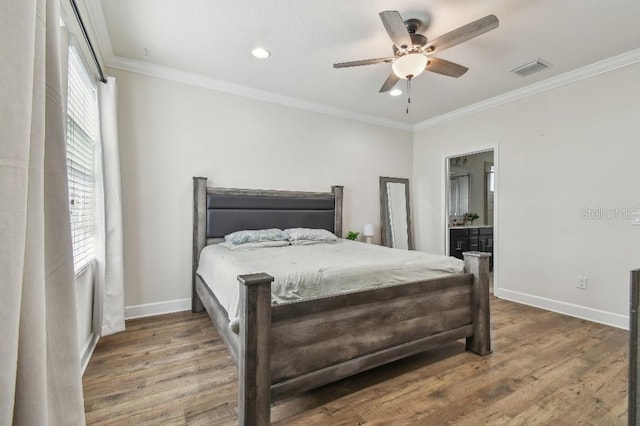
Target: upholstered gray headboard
220, 211
230, 211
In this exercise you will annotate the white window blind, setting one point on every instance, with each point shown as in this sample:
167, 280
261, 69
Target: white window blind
82, 137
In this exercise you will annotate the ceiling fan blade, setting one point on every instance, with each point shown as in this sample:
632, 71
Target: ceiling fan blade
464, 33
444, 67
389, 83
363, 62
394, 25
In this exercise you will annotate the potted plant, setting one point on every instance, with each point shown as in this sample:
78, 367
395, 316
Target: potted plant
352, 235
470, 217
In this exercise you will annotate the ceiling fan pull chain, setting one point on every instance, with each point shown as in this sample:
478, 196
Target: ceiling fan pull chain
408, 94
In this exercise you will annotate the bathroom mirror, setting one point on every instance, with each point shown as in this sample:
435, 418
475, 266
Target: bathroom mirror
458, 192
471, 189
395, 213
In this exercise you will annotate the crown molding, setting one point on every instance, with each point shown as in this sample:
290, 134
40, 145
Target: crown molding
606, 65
199, 80
167, 73
99, 24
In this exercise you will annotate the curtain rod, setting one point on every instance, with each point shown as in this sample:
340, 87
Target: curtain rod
86, 37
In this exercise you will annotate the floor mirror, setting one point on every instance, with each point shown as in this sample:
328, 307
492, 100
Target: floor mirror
395, 213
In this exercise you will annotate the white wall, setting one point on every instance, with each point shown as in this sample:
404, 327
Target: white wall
170, 132
559, 151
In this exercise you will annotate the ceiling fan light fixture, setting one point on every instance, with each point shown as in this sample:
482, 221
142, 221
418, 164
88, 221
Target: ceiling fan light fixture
409, 66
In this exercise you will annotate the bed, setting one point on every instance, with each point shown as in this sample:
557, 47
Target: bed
286, 348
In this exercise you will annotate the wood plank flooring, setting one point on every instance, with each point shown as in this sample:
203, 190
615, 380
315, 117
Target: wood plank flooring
545, 369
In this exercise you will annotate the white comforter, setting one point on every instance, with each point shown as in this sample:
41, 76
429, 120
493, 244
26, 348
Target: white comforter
310, 271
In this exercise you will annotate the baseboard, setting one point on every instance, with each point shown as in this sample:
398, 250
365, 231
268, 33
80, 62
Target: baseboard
159, 308
577, 311
89, 347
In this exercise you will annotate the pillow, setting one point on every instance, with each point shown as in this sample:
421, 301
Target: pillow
310, 234
243, 237
254, 245
309, 242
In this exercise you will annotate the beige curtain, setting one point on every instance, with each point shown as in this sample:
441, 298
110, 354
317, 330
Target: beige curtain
109, 300
40, 378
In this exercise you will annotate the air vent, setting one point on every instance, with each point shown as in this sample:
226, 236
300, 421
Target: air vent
531, 67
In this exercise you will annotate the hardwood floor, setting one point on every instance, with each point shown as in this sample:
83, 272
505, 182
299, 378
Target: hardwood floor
545, 369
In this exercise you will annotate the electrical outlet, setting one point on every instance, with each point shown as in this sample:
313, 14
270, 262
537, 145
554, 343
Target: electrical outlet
582, 282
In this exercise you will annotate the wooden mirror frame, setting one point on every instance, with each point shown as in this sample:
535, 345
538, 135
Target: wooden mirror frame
384, 212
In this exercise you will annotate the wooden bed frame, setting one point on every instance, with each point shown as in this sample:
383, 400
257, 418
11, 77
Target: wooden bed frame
291, 348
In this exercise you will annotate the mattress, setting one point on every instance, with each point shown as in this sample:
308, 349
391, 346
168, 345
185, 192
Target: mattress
311, 271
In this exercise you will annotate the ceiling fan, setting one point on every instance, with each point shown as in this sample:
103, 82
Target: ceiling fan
412, 51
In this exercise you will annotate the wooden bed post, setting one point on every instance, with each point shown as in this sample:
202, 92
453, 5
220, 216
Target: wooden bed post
254, 361
477, 263
338, 191
634, 341
199, 234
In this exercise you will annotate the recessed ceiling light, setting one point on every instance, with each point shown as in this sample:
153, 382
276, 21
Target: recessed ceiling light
260, 53
395, 92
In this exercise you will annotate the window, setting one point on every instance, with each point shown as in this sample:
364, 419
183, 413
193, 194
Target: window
82, 139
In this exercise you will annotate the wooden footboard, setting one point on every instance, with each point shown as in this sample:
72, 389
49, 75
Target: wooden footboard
290, 348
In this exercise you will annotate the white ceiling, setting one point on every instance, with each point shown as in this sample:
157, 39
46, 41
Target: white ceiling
213, 39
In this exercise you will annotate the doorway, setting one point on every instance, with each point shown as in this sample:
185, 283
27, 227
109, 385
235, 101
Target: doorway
470, 216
